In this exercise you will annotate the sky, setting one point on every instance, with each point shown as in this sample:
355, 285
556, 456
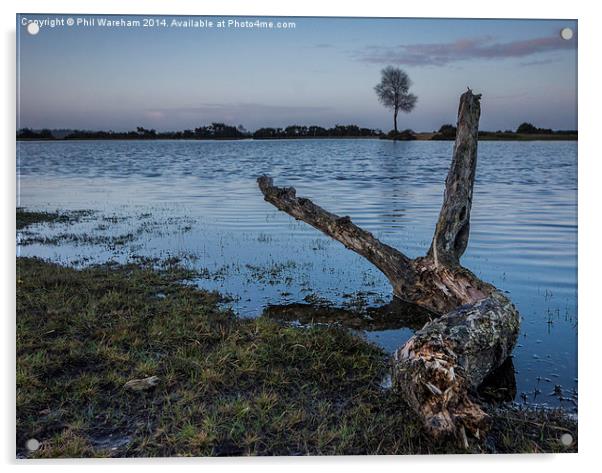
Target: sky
321, 71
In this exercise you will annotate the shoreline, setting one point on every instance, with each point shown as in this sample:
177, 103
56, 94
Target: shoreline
88, 338
419, 137
156, 368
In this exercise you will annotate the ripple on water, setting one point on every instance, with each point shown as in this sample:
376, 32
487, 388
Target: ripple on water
204, 205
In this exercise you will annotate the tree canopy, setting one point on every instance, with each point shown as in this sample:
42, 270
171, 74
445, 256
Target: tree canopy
393, 92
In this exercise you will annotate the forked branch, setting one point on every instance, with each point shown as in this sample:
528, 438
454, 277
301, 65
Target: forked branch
439, 368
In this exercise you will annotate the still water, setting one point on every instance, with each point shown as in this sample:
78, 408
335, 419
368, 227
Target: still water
198, 200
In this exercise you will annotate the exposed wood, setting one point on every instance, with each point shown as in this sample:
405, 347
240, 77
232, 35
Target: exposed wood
439, 368
419, 281
451, 234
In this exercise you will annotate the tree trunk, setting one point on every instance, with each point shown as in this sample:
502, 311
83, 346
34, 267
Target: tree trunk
451, 234
395, 119
440, 367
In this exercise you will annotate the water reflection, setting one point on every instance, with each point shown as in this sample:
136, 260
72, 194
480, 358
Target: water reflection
394, 315
198, 201
500, 385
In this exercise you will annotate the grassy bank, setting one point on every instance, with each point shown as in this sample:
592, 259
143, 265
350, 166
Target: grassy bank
226, 386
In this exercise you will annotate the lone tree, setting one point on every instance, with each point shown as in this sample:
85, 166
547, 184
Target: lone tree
393, 92
474, 325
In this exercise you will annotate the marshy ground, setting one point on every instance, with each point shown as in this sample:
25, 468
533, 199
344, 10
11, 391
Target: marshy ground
227, 386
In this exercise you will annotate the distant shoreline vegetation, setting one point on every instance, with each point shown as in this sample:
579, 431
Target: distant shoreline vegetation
524, 132
221, 131
215, 131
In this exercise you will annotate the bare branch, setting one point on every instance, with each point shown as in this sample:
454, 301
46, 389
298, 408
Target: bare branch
393, 263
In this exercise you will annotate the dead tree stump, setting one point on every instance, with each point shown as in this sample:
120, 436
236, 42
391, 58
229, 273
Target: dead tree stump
439, 368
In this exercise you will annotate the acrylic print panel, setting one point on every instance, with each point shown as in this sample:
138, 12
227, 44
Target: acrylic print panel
295, 236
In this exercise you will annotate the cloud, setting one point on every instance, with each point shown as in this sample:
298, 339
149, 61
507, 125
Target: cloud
154, 114
539, 62
323, 45
441, 54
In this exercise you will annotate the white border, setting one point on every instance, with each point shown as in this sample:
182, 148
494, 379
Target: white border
590, 78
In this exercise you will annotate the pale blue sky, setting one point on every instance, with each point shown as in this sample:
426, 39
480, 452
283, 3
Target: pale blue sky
321, 72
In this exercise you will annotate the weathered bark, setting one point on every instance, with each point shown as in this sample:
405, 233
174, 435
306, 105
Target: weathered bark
440, 367
420, 281
451, 234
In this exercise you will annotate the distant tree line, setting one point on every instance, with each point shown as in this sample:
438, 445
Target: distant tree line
448, 132
219, 131
299, 131
215, 131
29, 134
530, 129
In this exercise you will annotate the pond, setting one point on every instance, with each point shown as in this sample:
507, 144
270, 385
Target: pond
198, 201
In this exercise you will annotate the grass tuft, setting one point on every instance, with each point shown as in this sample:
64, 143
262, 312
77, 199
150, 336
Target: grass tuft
25, 217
